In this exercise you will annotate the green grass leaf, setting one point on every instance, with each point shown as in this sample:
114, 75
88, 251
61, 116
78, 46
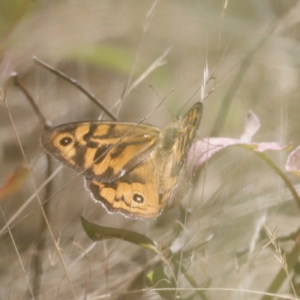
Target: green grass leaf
97, 233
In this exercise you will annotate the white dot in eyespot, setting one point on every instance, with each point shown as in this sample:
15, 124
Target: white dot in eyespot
138, 198
122, 173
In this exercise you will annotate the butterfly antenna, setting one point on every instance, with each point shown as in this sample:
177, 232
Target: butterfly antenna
162, 100
159, 96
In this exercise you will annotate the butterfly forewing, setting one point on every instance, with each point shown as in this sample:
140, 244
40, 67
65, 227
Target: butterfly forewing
181, 133
103, 151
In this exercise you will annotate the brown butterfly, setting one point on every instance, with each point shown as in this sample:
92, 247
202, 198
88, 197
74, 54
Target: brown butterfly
131, 169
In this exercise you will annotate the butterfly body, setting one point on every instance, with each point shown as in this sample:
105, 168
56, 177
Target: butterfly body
131, 169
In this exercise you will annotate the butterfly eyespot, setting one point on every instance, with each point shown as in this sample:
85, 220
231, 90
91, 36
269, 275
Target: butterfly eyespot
66, 141
195, 122
138, 198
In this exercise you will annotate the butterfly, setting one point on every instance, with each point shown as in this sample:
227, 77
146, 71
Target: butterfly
129, 168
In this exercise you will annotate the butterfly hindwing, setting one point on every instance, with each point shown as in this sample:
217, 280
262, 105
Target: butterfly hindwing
135, 195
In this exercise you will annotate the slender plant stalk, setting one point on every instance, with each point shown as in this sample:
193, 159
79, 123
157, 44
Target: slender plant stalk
77, 84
